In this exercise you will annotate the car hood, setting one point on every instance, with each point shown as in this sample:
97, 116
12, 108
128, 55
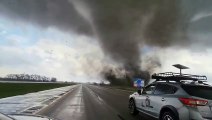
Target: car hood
29, 117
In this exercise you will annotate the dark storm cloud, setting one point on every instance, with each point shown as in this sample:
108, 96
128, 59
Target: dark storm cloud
122, 26
45, 13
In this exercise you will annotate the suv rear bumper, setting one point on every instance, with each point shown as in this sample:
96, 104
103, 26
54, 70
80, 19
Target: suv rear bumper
188, 113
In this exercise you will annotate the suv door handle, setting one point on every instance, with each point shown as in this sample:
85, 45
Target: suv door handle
163, 99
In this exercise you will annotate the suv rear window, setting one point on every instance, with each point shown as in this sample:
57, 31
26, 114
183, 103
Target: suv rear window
198, 91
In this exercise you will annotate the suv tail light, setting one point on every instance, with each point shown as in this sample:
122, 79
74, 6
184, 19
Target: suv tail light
193, 102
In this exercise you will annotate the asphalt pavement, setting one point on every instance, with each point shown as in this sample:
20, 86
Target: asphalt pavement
89, 102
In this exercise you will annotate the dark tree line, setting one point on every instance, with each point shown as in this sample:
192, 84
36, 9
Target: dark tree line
27, 77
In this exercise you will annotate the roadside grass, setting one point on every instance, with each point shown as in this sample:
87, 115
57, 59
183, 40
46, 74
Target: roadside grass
124, 88
13, 89
127, 88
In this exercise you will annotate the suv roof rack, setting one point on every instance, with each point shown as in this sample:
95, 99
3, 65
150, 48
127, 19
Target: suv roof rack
171, 76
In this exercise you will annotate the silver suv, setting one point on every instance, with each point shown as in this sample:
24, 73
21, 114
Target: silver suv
174, 96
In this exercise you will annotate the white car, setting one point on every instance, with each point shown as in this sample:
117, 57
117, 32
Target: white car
174, 96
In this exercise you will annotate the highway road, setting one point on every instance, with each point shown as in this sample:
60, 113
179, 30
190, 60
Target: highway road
89, 102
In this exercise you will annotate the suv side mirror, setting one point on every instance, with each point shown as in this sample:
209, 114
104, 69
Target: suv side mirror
139, 92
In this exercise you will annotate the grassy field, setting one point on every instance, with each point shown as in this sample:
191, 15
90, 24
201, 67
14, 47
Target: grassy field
12, 89
121, 87
125, 88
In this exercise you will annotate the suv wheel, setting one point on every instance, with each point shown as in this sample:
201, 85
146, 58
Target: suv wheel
132, 107
168, 116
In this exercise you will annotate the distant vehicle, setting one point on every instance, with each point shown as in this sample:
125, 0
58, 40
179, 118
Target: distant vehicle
22, 117
174, 96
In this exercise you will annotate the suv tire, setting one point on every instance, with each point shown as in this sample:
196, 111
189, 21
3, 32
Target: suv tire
167, 115
132, 107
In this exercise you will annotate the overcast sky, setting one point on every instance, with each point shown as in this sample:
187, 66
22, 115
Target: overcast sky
25, 48
69, 56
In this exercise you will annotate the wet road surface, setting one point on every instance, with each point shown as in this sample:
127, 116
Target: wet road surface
88, 102
30, 103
